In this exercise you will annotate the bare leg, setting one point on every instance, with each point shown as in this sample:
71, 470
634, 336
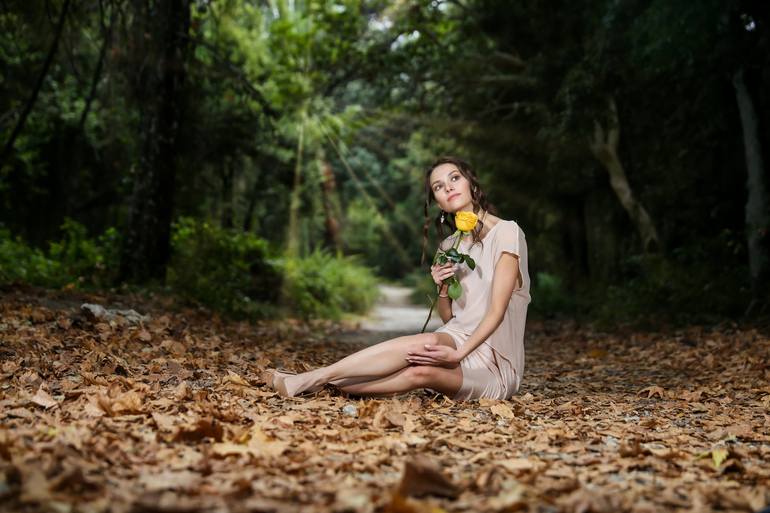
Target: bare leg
368, 364
440, 379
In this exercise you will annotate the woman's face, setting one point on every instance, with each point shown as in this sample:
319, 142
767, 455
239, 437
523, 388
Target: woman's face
451, 190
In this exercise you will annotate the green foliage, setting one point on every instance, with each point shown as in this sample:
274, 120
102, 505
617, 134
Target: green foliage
237, 273
19, 262
227, 270
87, 259
75, 260
682, 287
363, 233
549, 296
322, 285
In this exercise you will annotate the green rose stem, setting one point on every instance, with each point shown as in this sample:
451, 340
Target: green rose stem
433, 300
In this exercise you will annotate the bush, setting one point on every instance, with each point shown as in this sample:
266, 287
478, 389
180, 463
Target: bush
325, 286
229, 271
94, 262
549, 298
75, 260
684, 286
19, 262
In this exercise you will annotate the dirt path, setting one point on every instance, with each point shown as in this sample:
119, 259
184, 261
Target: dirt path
393, 316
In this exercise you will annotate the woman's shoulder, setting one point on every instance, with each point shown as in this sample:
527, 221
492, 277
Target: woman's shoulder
507, 228
506, 224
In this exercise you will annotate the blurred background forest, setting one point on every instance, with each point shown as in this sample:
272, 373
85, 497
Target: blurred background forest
265, 157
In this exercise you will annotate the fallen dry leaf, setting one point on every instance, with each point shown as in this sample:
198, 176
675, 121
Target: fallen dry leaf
502, 410
653, 391
44, 399
424, 477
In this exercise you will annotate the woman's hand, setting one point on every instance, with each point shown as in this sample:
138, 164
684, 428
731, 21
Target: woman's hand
440, 272
437, 355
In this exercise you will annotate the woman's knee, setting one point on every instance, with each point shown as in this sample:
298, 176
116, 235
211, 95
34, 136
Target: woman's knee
418, 342
421, 375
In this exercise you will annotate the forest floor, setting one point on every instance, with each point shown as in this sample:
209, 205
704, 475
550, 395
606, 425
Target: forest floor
169, 415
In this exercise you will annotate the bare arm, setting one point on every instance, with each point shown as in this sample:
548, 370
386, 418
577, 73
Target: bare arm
504, 281
440, 273
444, 303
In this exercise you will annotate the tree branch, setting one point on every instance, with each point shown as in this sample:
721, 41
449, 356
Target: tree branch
237, 73
99, 64
40, 79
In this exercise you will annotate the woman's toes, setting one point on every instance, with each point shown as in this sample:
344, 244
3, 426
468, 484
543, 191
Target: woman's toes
279, 385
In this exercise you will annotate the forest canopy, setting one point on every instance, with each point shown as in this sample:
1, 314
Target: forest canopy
218, 146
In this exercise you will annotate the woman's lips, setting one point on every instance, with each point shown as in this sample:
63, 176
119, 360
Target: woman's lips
453, 196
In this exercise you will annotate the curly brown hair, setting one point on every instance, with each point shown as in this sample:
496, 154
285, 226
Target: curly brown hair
478, 198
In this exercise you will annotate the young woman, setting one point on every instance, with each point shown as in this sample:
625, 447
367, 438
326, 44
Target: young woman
479, 351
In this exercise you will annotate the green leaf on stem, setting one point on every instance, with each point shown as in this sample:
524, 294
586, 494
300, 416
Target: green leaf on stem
471, 262
455, 289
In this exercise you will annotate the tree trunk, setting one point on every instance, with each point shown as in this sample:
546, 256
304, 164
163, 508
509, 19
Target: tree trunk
228, 177
328, 190
757, 216
293, 232
574, 240
36, 91
256, 188
601, 216
605, 149
160, 48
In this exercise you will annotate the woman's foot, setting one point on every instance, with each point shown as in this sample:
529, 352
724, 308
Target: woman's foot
294, 385
269, 376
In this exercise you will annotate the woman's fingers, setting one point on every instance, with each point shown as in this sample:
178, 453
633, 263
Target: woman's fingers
441, 272
422, 361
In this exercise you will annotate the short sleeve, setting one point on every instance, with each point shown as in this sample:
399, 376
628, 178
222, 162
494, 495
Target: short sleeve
507, 240
445, 244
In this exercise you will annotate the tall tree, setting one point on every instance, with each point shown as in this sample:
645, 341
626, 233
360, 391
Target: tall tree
160, 47
605, 149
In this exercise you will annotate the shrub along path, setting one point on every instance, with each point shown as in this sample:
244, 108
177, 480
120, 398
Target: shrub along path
171, 415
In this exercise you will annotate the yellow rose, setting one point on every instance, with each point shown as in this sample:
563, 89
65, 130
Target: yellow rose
466, 221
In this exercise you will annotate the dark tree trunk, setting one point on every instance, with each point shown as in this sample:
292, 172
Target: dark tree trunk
574, 240
329, 190
757, 214
602, 236
228, 177
160, 48
248, 218
36, 91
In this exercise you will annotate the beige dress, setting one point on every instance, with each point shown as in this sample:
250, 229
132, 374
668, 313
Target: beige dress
493, 370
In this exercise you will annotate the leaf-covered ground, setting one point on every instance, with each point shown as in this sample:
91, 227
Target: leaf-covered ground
171, 415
